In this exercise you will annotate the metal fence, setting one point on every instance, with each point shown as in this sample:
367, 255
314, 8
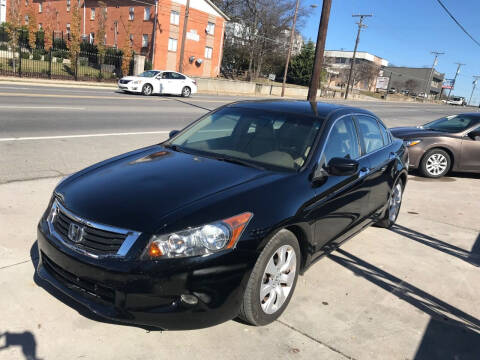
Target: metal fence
57, 63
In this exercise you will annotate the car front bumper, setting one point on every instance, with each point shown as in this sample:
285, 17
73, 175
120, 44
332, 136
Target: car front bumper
130, 87
149, 293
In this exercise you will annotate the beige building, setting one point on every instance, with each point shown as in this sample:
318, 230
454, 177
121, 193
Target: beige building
366, 69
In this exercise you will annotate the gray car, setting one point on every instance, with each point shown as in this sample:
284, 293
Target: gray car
449, 143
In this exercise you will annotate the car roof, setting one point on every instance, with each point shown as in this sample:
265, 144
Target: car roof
312, 109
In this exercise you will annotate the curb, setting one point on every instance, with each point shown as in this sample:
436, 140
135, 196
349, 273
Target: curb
56, 83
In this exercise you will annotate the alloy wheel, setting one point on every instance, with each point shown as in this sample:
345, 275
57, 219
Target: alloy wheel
278, 279
147, 90
395, 202
186, 92
436, 164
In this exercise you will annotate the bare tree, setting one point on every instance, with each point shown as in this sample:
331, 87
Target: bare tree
13, 28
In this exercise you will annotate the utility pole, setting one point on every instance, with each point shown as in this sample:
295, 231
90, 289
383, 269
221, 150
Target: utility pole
361, 26
319, 50
455, 78
429, 79
184, 36
476, 77
292, 36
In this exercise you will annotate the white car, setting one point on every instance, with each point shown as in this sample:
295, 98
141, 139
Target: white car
159, 82
457, 100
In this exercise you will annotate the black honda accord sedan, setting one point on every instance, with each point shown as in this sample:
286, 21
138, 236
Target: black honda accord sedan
219, 220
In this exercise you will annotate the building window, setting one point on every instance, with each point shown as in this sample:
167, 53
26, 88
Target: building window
208, 52
131, 39
91, 40
210, 28
131, 13
26, 2
146, 13
40, 7
40, 26
26, 19
68, 5
68, 29
144, 40
172, 44
174, 17
92, 14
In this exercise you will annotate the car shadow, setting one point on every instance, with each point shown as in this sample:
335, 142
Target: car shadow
25, 340
472, 257
451, 332
81, 309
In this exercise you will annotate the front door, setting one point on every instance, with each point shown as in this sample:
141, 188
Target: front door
340, 201
470, 157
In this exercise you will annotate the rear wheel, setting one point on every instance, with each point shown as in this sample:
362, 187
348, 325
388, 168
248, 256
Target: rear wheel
147, 90
435, 163
272, 281
186, 91
393, 206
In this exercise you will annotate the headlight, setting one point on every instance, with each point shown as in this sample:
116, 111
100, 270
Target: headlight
409, 143
202, 240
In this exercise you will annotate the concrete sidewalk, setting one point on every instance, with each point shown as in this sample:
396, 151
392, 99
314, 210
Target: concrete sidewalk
410, 293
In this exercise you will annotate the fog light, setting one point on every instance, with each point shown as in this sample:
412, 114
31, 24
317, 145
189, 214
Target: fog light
189, 299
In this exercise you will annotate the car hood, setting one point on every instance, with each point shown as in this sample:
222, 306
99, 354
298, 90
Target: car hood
130, 78
137, 190
414, 132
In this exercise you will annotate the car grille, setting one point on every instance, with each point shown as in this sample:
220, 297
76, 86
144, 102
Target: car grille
124, 81
86, 287
96, 241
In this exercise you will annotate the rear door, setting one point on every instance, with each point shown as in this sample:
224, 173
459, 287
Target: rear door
470, 157
376, 144
178, 82
167, 84
340, 201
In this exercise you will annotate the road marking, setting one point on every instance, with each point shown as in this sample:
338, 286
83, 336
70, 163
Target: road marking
81, 136
82, 96
21, 107
14, 88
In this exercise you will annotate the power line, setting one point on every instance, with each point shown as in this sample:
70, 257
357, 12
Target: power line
457, 22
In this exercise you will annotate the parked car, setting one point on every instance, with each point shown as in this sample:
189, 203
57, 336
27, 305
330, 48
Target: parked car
457, 100
159, 82
405, 92
422, 95
449, 143
219, 220
392, 90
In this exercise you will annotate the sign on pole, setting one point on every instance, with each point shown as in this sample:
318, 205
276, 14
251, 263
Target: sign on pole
448, 84
382, 82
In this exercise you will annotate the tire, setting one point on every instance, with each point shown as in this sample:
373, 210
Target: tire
186, 91
435, 163
147, 90
394, 204
258, 311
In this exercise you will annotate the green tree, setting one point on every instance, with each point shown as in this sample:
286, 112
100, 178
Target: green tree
301, 67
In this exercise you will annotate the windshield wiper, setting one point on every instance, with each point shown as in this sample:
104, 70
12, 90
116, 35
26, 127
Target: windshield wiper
175, 148
240, 162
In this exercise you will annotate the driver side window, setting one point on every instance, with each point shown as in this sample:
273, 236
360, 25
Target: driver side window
342, 141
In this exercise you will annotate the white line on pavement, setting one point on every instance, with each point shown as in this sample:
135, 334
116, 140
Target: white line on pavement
81, 136
21, 107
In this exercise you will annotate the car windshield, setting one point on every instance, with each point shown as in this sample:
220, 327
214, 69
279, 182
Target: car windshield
149, 73
261, 138
451, 124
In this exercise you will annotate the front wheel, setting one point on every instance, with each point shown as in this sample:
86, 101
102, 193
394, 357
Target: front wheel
393, 206
186, 92
147, 90
436, 163
272, 281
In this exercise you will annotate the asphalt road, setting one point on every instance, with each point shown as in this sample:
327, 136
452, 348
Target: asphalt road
52, 131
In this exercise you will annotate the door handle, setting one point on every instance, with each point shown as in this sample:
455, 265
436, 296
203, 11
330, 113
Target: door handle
363, 172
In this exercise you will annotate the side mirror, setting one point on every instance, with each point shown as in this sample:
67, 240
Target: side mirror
342, 167
474, 135
173, 133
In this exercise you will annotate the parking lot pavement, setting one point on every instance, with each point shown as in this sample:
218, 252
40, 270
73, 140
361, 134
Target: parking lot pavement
409, 293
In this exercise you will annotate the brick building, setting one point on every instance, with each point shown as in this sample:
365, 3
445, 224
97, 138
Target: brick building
159, 40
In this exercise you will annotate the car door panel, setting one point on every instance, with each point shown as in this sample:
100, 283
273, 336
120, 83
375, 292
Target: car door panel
470, 156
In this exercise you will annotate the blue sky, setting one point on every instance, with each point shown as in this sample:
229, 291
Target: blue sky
404, 33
